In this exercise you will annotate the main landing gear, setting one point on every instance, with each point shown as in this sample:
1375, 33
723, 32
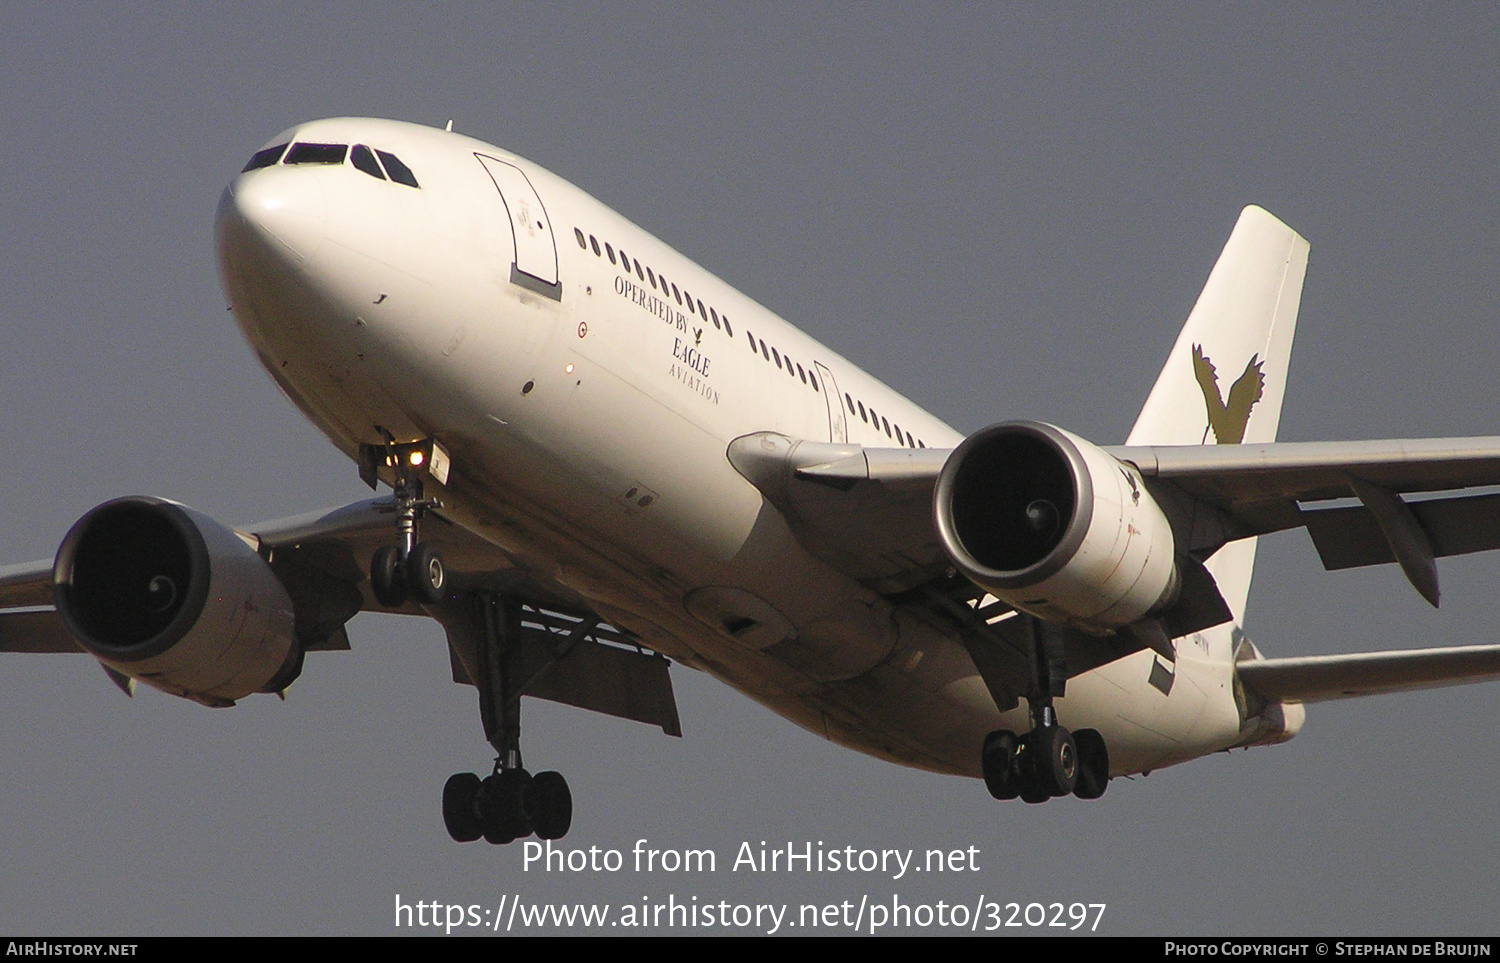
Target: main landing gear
510, 803
507, 805
1049, 760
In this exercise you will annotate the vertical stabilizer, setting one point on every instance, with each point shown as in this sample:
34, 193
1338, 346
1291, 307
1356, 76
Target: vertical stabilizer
1225, 378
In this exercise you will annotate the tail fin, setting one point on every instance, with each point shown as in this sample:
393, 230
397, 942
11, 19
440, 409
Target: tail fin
1225, 378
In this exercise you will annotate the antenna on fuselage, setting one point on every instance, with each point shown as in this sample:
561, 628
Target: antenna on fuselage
449, 126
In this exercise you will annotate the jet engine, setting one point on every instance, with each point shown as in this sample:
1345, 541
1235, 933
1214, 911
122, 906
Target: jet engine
1056, 527
172, 598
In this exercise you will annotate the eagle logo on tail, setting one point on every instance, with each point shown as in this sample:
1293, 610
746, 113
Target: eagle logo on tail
1227, 420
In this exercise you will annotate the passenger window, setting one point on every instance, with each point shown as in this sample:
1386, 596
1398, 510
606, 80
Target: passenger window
264, 158
751, 336
802, 374
581, 242
399, 172
812, 379
776, 356
676, 294
624, 261
849, 401
316, 154
887, 427
727, 329
651, 276
361, 157
610, 251
594, 242
690, 304
702, 313
862, 415
763, 352
638, 272
715, 315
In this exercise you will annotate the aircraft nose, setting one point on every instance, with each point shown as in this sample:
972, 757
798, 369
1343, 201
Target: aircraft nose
277, 208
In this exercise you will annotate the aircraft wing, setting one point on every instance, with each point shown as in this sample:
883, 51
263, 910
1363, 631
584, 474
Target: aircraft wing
868, 511
566, 652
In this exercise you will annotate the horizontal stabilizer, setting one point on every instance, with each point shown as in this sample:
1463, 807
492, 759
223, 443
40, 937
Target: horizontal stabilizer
1322, 677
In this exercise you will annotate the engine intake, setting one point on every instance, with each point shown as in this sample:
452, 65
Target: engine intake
172, 598
1056, 527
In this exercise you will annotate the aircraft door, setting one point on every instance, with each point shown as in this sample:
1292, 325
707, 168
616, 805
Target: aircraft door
535, 266
838, 431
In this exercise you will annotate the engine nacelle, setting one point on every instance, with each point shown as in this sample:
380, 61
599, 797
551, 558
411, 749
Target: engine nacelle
1055, 527
170, 597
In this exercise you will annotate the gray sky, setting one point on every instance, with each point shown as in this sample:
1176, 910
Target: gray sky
1001, 211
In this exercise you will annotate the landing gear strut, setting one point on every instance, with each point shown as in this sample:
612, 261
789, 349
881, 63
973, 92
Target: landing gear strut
1048, 760
510, 803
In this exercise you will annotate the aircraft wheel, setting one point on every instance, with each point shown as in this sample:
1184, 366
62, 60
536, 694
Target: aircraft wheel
550, 805
460, 815
1054, 759
997, 760
387, 581
425, 574
502, 812
1093, 764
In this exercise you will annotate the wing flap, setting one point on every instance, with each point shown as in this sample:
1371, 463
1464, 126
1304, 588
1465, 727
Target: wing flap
1350, 537
1325, 677
35, 631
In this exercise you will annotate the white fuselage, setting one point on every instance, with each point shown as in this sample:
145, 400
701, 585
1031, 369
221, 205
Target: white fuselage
588, 422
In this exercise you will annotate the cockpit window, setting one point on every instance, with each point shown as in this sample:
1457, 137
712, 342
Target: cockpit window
364, 159
264, 158
399, 172
316, 154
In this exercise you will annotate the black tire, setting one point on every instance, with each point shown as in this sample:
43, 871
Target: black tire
1032, 792
425, 574
460, 816
387, 581
501, 805
1093, 764
1054, 759
1031, 784
997, 760
550, 805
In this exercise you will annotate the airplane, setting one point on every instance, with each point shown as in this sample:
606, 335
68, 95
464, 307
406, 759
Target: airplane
602, 459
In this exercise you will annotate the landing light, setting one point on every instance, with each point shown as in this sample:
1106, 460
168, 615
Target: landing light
415, 459
569, 369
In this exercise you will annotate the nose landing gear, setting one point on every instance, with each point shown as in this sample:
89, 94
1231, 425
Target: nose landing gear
409, 569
